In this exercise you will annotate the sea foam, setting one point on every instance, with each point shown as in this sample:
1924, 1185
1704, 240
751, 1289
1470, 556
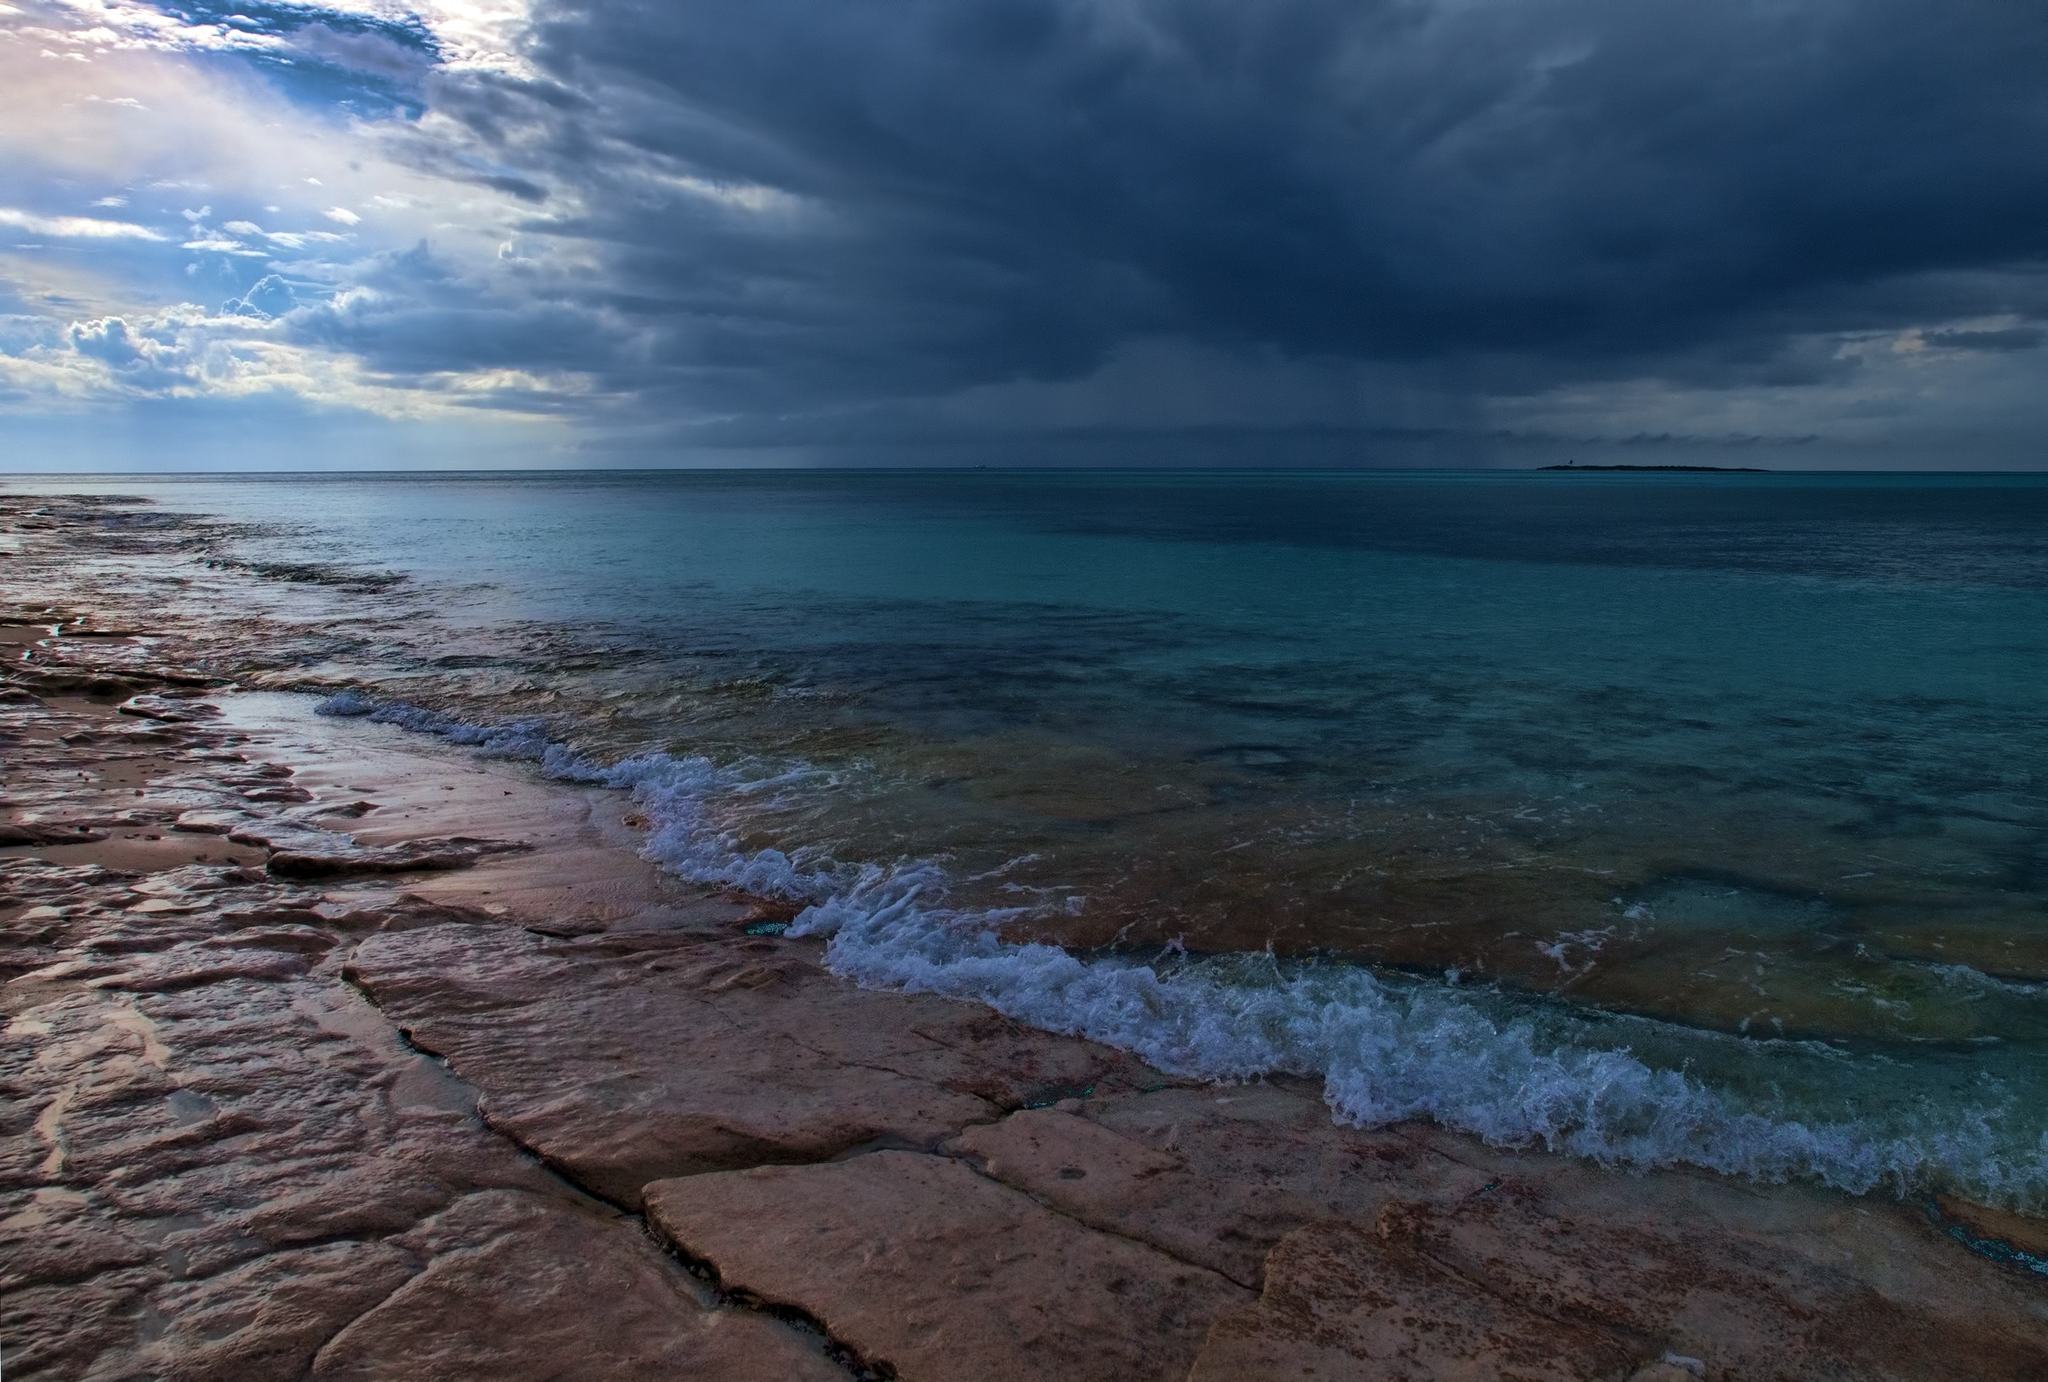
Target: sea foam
1387, 1050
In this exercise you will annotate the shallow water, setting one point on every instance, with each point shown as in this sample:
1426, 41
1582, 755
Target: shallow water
1654, 816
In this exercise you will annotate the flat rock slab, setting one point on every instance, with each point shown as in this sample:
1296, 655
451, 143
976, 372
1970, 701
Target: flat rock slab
922, 1265
216, 1162
341, 857
1216, 1176
518, 1286
46, 833
634, 1057
1340, 1304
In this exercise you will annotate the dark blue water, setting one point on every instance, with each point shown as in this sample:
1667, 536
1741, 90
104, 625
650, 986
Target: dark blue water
1652, 815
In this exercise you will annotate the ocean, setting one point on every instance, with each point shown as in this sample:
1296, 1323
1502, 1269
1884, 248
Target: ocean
1655, 818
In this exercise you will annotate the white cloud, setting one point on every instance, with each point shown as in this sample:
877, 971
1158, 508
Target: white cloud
218, 137
215, 245
270, 296
300, 239
742, 196
469, 34
111, 201
75, 227
341, 215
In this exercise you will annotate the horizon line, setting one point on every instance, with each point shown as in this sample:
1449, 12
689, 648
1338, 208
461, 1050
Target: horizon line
1547, 468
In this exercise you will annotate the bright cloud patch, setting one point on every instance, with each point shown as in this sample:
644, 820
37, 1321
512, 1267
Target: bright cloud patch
75, 227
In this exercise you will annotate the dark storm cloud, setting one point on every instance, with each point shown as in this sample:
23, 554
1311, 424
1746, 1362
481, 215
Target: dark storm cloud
411, 317
791, 206
2009, 338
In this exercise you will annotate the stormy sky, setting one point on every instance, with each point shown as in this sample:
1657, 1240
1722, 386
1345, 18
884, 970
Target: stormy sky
1251, 232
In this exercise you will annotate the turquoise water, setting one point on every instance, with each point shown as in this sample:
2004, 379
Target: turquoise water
1653, 816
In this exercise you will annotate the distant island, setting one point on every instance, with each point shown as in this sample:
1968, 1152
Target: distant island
1690, 469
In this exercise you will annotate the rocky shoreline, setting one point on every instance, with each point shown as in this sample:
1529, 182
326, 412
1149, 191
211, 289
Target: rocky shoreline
335, 1053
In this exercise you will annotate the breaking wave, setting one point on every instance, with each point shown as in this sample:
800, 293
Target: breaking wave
1387, 1049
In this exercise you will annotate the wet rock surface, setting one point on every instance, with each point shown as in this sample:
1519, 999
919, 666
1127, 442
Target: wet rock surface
919, 1263
508, 1265
217, 1159
483, 1095
632, 1056
1412, 1253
